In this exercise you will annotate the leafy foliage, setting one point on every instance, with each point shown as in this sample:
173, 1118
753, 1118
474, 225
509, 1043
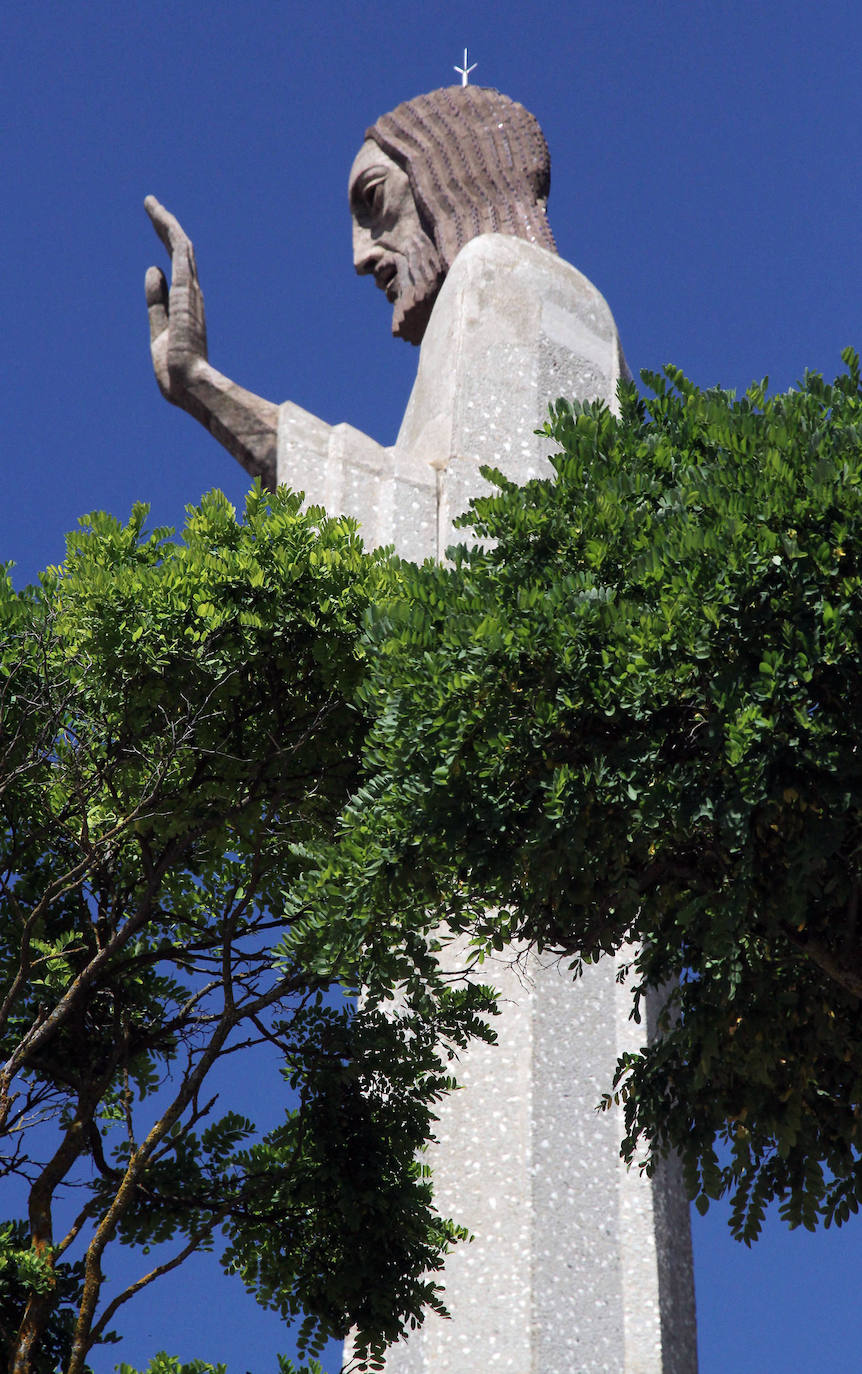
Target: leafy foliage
163, 1363
633, 714
180, 728
243, 771
23, 1271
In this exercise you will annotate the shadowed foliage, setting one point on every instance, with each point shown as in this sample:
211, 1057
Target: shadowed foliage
180, 729
634, 715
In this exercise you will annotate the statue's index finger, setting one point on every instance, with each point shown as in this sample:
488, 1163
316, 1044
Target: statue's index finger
166, 225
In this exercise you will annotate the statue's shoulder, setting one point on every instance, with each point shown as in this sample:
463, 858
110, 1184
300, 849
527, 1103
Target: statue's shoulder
500, 286
513, 327
516, 262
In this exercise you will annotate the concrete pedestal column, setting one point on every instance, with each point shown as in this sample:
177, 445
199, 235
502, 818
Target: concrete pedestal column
578, 1265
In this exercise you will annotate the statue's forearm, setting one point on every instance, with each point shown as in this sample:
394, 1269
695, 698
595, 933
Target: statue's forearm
244, 423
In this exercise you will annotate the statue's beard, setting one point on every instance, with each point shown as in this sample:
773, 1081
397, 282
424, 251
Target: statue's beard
420, 275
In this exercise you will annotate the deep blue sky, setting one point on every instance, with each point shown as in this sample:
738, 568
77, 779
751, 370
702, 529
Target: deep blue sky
705, 176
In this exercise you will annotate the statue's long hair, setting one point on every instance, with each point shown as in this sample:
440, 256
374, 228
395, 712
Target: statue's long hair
478, 163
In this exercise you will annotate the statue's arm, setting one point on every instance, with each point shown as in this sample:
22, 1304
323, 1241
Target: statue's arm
244, 423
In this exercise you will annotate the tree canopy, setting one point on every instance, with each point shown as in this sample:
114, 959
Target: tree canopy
245, 773
632, 714
180, 728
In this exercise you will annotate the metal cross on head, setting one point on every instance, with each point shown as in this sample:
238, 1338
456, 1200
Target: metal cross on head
465, 70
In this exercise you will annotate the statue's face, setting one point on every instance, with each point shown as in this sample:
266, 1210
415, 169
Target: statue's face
389, 241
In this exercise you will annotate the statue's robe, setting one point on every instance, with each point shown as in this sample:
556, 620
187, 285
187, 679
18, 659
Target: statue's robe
577, 1265
513, 328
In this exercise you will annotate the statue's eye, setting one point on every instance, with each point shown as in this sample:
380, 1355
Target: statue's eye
368, 194
374, 197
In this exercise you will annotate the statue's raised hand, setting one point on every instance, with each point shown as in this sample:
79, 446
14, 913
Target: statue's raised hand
246, 424
178, 331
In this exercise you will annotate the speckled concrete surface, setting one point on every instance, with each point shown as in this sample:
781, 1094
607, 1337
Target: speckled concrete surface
578, 1266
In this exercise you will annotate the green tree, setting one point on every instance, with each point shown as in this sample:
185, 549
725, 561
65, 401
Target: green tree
180, 728
634, 714
239, 772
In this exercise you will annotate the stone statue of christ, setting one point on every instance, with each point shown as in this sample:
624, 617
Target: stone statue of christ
576, 1264
436, 174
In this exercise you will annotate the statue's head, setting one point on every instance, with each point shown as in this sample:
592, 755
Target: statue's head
435, 173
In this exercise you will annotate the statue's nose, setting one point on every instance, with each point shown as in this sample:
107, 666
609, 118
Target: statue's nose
366, 253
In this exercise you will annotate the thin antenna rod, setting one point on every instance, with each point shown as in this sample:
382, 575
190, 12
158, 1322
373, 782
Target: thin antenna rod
465, 70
